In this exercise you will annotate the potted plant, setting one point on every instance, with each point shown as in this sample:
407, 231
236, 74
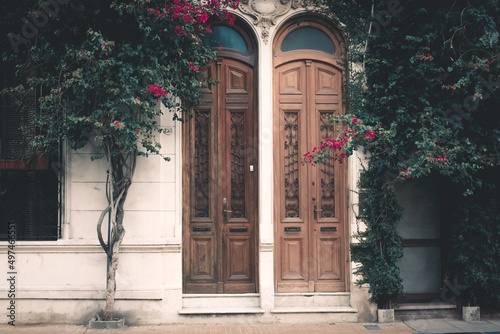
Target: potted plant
42, 160
13, 162
378, 247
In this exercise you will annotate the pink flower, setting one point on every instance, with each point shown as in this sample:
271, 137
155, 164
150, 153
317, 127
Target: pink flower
342, 156
194, 68
354, 120
370, 134
157, 91
203, 17
117, 123
138, 130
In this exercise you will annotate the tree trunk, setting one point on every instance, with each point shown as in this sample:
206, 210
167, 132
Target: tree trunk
111, 277
121, 169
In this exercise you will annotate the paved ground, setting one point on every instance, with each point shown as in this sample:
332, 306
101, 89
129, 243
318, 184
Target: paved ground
490, 326
341, 328
408, 327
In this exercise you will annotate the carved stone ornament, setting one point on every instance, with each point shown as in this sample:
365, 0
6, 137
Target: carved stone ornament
265, 12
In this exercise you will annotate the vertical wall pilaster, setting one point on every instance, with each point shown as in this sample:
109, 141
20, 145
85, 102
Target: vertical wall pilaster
266, 235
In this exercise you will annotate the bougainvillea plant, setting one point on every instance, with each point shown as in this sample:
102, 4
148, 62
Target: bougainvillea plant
100, 70
428, 74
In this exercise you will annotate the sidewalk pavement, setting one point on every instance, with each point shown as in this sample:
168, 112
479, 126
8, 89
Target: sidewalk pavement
436, 326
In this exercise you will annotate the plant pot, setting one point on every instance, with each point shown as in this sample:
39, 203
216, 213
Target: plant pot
13, 164
96, 323
471, 313
7, 164
42, 161
385, 315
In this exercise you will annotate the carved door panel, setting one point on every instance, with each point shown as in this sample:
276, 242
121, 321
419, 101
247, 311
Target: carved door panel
309, 201
220, 181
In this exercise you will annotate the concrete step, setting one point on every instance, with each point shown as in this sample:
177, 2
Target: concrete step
339, 314
221, 301
312, 300
433, 310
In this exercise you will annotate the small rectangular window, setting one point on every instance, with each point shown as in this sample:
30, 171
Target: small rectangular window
29, 190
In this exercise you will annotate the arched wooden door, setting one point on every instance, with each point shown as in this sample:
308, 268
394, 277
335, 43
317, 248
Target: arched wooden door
311, 236
220, 177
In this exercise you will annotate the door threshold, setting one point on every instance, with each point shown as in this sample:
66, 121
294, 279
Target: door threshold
306, 294
218, 295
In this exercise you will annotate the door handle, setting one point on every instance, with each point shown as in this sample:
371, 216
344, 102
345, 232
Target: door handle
316, 212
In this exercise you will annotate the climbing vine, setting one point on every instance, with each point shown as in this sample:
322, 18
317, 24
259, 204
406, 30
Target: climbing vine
424, 78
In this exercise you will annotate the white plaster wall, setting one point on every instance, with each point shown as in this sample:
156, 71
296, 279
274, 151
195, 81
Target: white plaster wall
64, 280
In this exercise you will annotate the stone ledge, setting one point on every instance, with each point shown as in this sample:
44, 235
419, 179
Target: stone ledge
77, 248
346, 309
87, 294
232, 310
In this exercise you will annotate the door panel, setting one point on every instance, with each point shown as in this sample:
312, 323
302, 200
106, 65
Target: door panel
220, 212
203, 256
310, 208
329, 261
293, 255
238, 265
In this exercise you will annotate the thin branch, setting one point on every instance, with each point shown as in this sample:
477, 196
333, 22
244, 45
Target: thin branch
99, 232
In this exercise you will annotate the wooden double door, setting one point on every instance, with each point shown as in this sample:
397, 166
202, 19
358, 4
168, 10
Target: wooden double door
310, 201
220, 182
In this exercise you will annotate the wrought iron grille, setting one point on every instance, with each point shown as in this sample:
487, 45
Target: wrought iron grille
30, 198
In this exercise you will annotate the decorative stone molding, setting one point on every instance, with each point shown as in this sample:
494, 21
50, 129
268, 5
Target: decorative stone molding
266, 246
73, 248
88, 293
265, 12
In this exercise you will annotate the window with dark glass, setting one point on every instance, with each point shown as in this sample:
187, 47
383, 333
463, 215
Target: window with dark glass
29, 187
225, 37
308, 38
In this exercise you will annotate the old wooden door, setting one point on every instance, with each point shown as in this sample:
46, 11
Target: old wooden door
220, 185
310, 202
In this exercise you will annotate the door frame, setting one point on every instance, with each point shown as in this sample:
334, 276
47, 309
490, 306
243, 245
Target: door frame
336, 60
250, 59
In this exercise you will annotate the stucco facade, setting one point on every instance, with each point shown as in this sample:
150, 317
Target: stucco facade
63, 281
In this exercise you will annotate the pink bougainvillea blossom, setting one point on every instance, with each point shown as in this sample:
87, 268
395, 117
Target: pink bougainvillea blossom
191, 66
157, 91
370, 134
